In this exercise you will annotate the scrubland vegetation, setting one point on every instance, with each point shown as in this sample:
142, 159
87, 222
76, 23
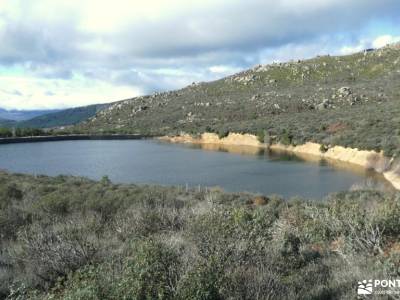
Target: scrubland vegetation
73, 238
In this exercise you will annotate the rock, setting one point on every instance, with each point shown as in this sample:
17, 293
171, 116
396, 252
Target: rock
344, 91
324, 105
141, 108
245, 79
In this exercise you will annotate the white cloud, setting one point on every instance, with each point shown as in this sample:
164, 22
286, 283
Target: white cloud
366, 43
223, 70
136, 46
33, 93
384, 40
350, 49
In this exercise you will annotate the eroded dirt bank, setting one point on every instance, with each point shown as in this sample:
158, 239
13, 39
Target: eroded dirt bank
366, 159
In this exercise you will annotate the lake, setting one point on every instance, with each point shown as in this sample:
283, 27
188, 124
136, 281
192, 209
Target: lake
153, 162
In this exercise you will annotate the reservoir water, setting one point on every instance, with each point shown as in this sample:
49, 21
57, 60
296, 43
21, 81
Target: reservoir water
152, 162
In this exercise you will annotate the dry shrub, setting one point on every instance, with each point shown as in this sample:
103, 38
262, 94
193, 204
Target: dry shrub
260, 200
336, 127
44, 252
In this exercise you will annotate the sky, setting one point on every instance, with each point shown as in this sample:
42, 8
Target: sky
67, 53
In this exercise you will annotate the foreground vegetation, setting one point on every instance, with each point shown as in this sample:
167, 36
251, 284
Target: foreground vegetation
73, 238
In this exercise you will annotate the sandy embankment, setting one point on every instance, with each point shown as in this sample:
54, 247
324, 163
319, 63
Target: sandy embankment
365, 159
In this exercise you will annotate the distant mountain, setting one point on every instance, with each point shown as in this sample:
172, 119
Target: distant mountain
65, 117
7, 123
56, 118
22, 115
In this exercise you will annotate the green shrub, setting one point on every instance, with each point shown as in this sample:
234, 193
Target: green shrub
8, 193
202, 282
152, 273
261, 136
53, 203
92, 282
286, 138
223, 133
323, 148
5, 132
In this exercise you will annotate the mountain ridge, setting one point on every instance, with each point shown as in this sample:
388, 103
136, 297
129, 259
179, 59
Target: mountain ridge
348, 100
22, 115
56, 118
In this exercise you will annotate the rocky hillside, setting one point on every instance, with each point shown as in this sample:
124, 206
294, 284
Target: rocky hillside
348, 100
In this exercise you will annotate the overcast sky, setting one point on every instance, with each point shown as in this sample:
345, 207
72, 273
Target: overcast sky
64, 53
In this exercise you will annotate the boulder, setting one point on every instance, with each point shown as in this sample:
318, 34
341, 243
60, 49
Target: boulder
344, 91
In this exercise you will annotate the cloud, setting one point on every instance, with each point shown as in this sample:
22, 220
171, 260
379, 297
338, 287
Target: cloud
385, 40
377, 42
139, 46
46, 94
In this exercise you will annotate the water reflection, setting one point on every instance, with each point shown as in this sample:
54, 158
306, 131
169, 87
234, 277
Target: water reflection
374, 180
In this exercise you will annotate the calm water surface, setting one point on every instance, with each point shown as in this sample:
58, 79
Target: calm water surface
148, 161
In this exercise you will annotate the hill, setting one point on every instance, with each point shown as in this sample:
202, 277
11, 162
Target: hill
7, 123
21, 115
345, 100
60, 118
64, 117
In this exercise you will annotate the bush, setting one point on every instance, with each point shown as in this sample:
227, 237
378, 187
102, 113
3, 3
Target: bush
260, 136
152, 273
202, 282
5, 132
223, 133
45, 253
323, 148
286, 138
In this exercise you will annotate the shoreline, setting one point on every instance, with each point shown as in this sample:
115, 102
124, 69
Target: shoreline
71, 137
367, 159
